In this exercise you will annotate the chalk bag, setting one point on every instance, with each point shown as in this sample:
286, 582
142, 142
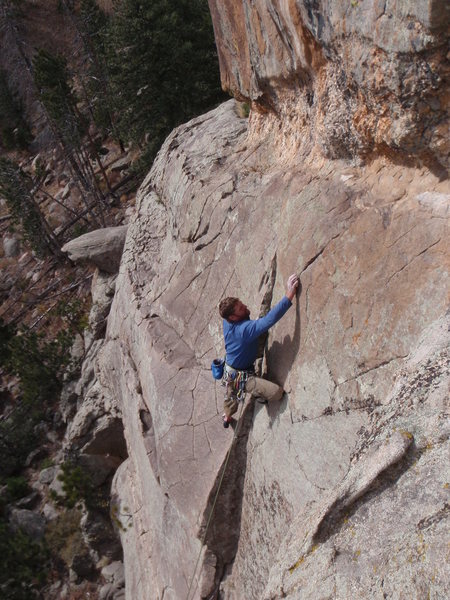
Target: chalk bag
217, 367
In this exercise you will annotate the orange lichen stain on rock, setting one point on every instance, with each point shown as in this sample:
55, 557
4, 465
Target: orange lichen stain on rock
362, 116
262, 46
232, 44
312, 50
383, 130
356, 337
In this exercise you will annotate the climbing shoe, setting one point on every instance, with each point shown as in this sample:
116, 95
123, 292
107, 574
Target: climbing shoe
226, 421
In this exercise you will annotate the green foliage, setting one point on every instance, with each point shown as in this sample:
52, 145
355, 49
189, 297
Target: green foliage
74, 315
63, 536
46, 463
16, 188
76, 484
7, 332
23, 564
17, 438
52, 79
16, 488
122, 521
13, 9
39, 365
14, 132
163, 67
93, 24
244, 110
78, 229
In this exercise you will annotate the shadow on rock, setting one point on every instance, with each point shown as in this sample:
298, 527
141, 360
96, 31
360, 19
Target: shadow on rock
281, 355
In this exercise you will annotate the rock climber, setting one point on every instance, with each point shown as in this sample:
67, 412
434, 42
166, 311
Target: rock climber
241, 345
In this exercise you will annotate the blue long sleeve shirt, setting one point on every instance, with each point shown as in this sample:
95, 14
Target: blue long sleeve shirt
241, 338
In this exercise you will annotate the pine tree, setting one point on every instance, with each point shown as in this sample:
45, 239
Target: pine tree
16, 187
163, 67
51, 77
69, 125
14, 132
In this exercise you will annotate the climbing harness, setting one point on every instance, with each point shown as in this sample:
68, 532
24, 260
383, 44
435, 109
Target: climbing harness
214, 504
235, 381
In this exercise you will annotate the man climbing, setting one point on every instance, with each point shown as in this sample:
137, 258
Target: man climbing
241, 344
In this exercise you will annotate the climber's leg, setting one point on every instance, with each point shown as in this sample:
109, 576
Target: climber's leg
263, 388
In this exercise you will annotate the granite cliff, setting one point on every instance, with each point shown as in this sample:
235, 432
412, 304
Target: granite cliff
341, 490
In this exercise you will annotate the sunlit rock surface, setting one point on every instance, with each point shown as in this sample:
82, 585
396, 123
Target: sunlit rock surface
339, 491
351, 77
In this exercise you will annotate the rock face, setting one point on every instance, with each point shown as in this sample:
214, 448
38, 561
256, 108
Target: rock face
352, 77
339, 491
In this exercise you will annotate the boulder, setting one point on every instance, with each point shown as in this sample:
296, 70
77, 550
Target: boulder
102, 248
88, 367
28, 521
49, 512
65, 193
11, 247
114, 573
68, 400
47, 475
77, 350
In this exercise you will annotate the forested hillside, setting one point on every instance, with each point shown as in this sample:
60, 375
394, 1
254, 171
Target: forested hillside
88, 92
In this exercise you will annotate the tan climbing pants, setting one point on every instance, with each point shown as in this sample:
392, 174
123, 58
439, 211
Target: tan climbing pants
258, 388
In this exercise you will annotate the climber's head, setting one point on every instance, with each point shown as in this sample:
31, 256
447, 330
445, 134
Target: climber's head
233, 310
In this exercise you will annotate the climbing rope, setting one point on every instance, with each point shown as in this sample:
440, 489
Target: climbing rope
214, 503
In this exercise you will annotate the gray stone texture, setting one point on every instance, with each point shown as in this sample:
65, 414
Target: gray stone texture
102, 248
28, 521
11, 247
48, 475
340, 487
103, 286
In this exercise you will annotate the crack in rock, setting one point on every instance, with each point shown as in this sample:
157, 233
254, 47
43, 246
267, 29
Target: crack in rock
304, 538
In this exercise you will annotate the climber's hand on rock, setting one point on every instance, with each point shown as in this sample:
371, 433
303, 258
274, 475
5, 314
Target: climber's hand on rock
291, 286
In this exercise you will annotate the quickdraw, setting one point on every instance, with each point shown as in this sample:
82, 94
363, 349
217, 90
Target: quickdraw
235, 381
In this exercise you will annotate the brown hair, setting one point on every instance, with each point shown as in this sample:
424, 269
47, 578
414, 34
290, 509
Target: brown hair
226, 307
